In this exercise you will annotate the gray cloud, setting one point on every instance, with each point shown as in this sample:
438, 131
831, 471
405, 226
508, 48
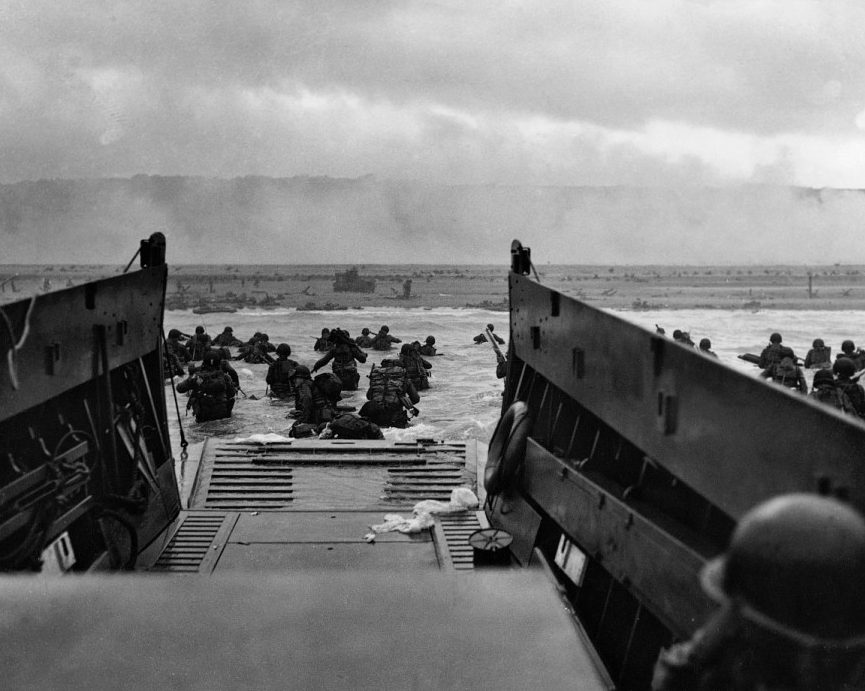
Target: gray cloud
433, 91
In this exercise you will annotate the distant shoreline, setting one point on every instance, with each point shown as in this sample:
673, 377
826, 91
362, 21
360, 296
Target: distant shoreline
647, 288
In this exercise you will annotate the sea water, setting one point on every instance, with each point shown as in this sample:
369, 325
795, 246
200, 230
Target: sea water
465, 397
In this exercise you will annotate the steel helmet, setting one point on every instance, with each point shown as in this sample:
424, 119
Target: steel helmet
430, 339
848, 346
302, 371
823, 376
795, 564
844, 367
818, 343
174, 333
211, 358
775, 338
705, 344
283, 349
384, 329
199, 329
405, 349
364, 331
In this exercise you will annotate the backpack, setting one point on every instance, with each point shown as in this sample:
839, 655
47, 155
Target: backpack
854, 393
349, 426
830, 395
329, 385
211, 382
386, 384
785, 372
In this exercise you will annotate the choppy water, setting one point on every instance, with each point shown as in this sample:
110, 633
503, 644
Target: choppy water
465, 398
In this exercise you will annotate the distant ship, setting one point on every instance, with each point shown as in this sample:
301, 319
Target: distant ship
351, 282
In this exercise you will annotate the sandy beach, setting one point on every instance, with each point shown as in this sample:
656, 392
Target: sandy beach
214, 288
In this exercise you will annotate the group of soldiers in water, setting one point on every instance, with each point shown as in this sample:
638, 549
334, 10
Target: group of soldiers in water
835, 383
392, 395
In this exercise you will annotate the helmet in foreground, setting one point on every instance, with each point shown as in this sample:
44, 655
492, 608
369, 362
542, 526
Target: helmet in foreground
794, 566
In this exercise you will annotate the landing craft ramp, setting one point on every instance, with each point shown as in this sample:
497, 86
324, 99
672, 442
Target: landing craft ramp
299, 504
299, 599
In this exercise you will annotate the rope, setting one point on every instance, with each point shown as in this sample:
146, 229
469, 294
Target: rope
137, 252
183, 443
16, 346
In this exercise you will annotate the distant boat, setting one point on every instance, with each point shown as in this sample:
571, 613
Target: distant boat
351, 282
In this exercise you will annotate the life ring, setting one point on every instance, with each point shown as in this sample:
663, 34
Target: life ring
507, 448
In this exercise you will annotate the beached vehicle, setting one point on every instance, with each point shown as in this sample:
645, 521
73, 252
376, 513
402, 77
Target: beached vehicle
620, 465
351, 282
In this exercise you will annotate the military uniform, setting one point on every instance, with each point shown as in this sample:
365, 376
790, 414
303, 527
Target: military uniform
211, 392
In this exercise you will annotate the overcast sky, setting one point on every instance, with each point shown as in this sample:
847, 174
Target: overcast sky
606, 92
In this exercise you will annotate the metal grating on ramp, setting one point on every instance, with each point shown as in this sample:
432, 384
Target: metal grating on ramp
238, 484
303, 474
451, 533
433, 481
195, 546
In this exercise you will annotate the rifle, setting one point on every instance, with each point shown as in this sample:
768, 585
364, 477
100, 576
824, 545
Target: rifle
499, 356
407, 404
755, 359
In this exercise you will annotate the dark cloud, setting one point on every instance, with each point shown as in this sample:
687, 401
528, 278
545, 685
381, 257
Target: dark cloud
440, 91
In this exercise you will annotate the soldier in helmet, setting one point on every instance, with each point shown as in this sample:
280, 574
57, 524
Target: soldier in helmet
178, 348
281, 372
211, 391
416, 368
315, 404
792, 604
826, 391
482, 337
199, 344
820, 356
786, 373
323, 343
365, 339
844, 370
775, 352
345, 354
682, 337
849, 351
428, 348
706, 347
227, 339
383, 340
256, 351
